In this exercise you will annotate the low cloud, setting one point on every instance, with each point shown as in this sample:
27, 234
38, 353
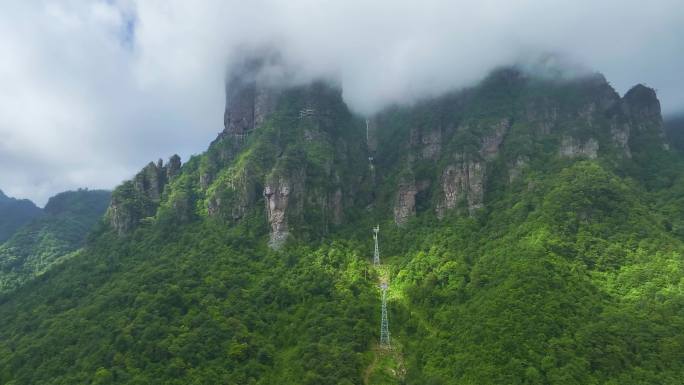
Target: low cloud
91, 91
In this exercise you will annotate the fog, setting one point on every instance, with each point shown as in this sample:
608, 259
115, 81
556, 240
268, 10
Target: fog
93, 90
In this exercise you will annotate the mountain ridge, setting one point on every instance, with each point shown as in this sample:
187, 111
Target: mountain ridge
14, 213
531, 231
62, 227
634, 117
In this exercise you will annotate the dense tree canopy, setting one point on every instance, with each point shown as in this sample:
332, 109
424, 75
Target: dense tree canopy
61, 229
570, 272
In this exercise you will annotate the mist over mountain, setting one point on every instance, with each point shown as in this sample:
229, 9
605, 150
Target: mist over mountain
125, 81
531, 231
342, 192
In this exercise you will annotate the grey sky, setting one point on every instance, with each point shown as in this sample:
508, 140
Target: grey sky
92, 90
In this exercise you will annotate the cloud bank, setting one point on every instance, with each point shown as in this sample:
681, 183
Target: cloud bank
92, 90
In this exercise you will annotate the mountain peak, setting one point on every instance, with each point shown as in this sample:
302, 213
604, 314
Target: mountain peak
640, 91
76, 202
251, 93
642, 100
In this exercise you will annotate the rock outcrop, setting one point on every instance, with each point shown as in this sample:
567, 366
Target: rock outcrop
571, 147
643, 119
125, 210
462, 183
492, 142
405, 204
139, 198
151, 180
297, 176
233, 200
641, 103
279, 192
431, 143
277, 198
249, 97
173, 167
619, 133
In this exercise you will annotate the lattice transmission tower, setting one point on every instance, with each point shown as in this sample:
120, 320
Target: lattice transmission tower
376, 253
384, 323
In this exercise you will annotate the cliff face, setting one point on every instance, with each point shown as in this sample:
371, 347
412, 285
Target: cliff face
405, 203
642, 118
298, 158
250, 97
302, 160
462, 182
139, 198
277, 195
451, 145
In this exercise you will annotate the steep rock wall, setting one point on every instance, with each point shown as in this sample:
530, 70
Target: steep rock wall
140, 197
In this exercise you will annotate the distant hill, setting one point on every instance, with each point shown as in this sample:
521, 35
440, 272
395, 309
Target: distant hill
15, 213
67, 219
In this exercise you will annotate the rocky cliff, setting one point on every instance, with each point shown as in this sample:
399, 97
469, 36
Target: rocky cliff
292, 156
299, 159
250, 96
452, 144
139, 198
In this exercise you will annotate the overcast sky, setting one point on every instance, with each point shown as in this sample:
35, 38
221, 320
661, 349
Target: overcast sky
90, 91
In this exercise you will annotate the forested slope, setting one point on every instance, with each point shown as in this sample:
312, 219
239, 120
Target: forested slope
62, 228
531, 232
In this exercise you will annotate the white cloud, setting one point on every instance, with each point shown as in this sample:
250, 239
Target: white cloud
92, 90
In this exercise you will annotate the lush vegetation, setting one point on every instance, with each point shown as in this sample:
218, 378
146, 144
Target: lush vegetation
193, 305
571, 273
34, 248
573, 283
576, 282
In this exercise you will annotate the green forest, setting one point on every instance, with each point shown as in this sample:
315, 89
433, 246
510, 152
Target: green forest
60, 229
567, 271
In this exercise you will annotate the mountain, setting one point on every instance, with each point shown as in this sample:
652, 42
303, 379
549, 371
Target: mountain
14, 213
37, 246
531, 232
